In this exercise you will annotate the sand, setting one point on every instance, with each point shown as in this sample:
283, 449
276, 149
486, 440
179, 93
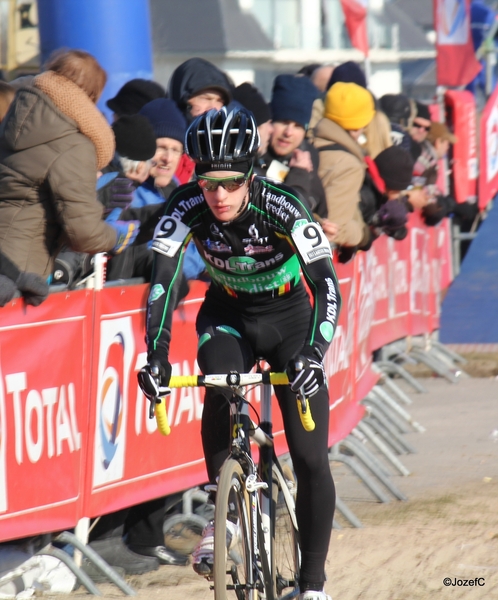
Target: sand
447, 529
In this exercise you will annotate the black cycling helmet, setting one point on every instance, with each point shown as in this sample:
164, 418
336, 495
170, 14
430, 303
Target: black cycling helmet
222, 140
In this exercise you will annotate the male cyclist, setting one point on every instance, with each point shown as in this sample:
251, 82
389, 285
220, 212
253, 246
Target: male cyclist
254, 236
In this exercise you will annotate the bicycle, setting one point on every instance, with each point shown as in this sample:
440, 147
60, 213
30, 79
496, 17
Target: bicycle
256, 541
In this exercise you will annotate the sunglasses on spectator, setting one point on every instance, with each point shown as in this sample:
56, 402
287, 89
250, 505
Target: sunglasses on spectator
422, 126
230, 184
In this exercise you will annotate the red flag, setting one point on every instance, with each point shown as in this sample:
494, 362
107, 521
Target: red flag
355, 14
455, 58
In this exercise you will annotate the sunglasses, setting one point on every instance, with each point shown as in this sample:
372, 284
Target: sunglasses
230, 184
422, 126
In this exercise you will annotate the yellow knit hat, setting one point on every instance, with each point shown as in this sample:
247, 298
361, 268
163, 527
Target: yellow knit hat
349, 105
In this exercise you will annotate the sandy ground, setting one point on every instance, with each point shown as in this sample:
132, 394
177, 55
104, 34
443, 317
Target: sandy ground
448, 527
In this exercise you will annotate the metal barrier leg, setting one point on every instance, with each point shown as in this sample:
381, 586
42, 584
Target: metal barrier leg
397, 408
337, 456
383, 448
434, 364
396, 390
400, 424
69, 538
384, 428
347, 513
372, 464
82, 577
390, 366
449, 362
454, 356
363, 440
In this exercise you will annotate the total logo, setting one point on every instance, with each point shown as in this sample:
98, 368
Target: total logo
453, 22
117, 349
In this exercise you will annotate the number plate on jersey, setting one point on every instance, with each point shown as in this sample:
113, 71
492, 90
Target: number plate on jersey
169, 235
311, 242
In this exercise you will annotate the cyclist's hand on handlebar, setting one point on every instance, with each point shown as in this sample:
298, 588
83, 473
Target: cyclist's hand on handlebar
305, 371
153, 379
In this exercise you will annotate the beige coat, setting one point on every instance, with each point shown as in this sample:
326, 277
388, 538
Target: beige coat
48, 173
342, 174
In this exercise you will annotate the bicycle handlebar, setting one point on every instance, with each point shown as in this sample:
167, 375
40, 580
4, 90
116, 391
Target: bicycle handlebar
229, 380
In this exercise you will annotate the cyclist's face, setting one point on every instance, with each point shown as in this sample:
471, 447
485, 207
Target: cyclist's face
226, 205
165, 161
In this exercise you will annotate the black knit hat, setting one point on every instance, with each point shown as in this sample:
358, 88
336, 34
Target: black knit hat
396, 107
395, 167
251, 98
133, 95
423, 111
348, 72
292, 99
135, 137
166, 119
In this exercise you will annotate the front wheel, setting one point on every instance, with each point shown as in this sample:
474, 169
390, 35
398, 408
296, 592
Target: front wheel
286, 557
233, 570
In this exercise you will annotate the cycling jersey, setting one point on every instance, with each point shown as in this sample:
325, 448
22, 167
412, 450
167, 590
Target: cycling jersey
256, 257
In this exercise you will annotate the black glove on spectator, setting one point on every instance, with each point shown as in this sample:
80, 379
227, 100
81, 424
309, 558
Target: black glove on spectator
306, 371
391, 216
466, 211
435, 212
33, 287
154, 378
7, 290
346, 253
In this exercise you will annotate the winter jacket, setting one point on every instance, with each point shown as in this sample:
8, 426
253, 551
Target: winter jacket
342, 174
308, 185
52, 142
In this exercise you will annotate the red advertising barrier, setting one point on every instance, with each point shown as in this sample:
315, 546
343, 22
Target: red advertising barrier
81, 443
488, 175
462, 114
45, 362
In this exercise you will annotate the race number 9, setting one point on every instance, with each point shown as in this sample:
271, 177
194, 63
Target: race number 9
169, 236
168, 227
311, 242
312, 233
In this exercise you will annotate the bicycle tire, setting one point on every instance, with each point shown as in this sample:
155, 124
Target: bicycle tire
285, 554
233, 571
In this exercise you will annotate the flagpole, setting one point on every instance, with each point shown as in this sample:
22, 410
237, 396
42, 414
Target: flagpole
368, 69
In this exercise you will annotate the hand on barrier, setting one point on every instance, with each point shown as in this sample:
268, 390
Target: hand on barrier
153, 379
390, 217
33, 288
306, 372
127, 232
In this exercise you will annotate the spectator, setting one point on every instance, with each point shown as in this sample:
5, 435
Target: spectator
395, 167
7, 93
308, 70
135, 146
348, 72
398, 110
439, 205
168, 128
377, 135
251, 98
197, 86
134, 94
290, 156
321, 77
348, 110
425, 169
52, 145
